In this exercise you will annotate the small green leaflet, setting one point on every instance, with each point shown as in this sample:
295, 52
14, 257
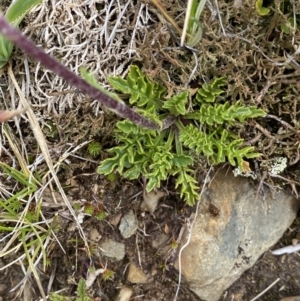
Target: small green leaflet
14, 15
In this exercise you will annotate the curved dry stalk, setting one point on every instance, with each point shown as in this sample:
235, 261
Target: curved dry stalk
161, 8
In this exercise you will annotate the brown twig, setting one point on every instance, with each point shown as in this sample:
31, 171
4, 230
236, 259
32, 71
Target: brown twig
264, 90
283, 178
253, 140
264, 131
284, 123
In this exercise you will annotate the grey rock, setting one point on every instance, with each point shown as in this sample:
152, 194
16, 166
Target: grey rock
112, 250
136, 274
128, 224
234, 227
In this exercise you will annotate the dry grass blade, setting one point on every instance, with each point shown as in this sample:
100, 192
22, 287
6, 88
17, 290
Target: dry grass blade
263, 292
161, 8
85, 86
16, 151
42, 143
192, 26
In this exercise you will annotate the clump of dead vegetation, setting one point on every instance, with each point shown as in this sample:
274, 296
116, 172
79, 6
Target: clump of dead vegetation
259, 59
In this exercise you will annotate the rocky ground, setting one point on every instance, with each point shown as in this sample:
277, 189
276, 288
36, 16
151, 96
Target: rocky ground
141, 250
134, 240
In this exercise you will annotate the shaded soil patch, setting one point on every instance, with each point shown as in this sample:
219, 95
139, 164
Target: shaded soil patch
257, 59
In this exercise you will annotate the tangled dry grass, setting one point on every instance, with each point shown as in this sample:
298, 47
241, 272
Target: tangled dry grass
260, 62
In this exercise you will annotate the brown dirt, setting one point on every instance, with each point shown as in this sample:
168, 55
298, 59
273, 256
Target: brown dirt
73, 119
117, 198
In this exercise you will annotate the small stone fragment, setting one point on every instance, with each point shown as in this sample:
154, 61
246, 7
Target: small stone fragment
294, 298
136, 274
112, 250
3, 288
27, 292
115, 219
124, 294
72, 227
128, 225
159, 240
151, 200
95, 235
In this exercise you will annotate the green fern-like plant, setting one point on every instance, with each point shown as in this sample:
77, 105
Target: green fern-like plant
81, 294
57, 297
158, 154
81, 291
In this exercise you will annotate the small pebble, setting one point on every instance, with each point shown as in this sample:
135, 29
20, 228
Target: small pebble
115, 219
3, 288
128, 224
151, 200
124, 294
112, 250
95, 235
136, 274
294, 298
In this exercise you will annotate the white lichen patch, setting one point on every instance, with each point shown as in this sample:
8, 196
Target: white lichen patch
238, 172
278, 166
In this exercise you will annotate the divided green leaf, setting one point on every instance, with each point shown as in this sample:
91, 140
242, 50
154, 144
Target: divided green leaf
156, 155
177, 104
209, 92
143, 92
220, 113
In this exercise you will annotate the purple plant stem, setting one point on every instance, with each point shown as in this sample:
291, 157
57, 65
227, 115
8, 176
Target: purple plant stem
25, 44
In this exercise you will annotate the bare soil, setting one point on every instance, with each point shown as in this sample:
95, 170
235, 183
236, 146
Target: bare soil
253, 58
118, 198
